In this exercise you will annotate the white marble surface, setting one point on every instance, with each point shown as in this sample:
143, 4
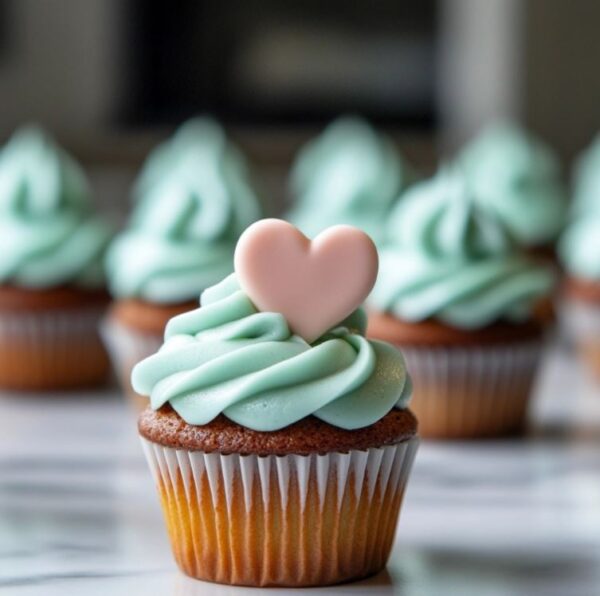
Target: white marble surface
79, 514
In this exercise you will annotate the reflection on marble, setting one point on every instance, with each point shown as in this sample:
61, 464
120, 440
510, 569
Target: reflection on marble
79, 514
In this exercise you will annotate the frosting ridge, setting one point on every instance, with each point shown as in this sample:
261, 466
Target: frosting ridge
228, 358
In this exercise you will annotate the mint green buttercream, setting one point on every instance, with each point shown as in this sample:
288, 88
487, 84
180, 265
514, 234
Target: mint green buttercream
228, 358
348, 175
449, 259
586, 181
193, 200
579, 247
49, 235
517, 177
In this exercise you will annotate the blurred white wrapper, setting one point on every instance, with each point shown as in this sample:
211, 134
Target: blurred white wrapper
127, 347
52, 349
472, 391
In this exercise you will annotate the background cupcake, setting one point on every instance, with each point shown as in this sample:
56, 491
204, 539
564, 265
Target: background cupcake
192, 200
51, 247
517, 177
278, 461
351, 175
460, 301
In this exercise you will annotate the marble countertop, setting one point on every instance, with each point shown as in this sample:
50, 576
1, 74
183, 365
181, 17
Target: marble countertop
79, 514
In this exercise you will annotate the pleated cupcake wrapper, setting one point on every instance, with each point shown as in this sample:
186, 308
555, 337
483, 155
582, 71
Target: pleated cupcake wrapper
51, 349
583, 325
126, 348
472, 391
290, 520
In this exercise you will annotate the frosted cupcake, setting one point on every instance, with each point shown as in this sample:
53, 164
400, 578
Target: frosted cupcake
579, 249
351, 175
517, 177
51, 281
280, 441
462, 304
192, 200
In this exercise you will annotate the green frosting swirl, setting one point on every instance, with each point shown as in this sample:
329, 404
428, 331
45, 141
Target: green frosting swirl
451, 260
586, 181
49, 235
579, 247
228, 358
517, 178
194, 199
349, 175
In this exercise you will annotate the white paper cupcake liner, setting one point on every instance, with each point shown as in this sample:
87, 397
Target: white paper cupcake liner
472, 391
127, 347
50, 349
281, 520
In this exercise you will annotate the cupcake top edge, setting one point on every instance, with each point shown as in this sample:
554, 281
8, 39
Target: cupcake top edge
448, 258
253, 366
49, 233
193, 199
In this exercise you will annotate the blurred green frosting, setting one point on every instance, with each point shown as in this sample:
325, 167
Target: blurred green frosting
579, 247
49, 234
193, 200
449, 259
586, 181
350, 175
517, 177
228, 358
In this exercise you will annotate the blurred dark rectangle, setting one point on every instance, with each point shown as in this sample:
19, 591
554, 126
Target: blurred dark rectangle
4, 28
273, 62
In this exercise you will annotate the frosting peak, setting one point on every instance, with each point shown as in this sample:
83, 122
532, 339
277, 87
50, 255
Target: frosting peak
228, 358
193, 200
516, 177
48, 233
448, 258
349, 175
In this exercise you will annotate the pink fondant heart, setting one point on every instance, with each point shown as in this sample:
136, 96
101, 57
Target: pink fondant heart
314, 285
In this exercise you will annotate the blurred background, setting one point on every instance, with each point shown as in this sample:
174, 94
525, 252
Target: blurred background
111, 77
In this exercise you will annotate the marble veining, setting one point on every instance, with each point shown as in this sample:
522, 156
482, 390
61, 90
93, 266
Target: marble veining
79, 513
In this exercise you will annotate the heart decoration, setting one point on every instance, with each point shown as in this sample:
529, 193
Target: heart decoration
313, 284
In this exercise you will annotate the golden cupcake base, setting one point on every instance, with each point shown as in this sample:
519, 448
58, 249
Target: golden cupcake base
281, 520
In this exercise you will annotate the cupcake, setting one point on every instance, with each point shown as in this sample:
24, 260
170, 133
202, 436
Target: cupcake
516, 177
51, 281
349, 175
463, 305
579, 249
193, 198
280, 441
